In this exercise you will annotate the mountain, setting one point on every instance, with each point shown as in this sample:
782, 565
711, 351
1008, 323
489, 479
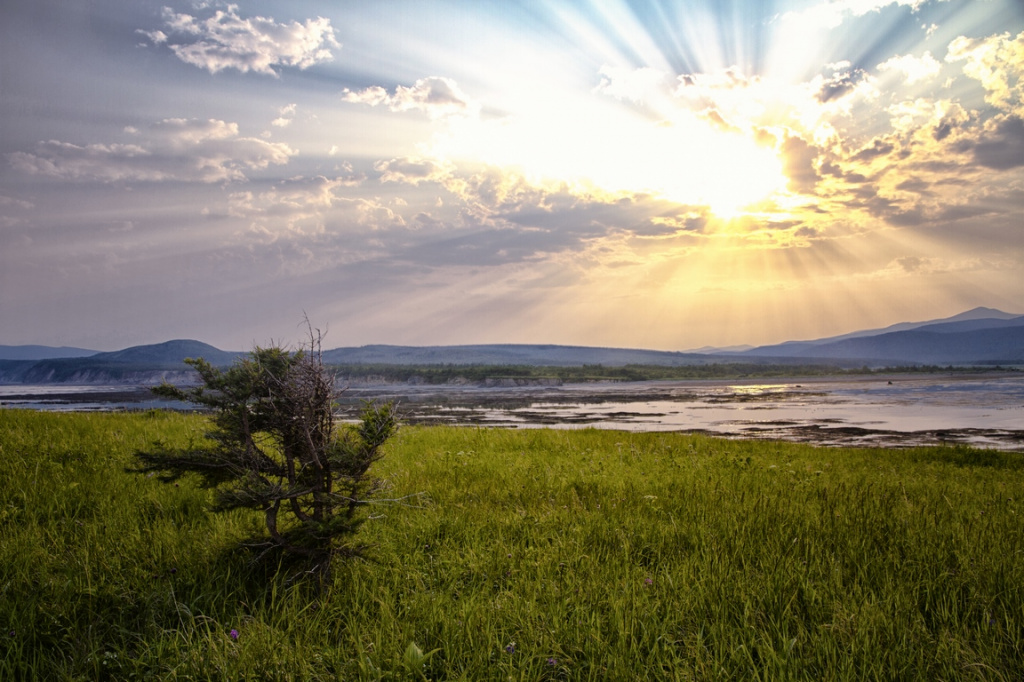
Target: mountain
43, 352
979, 336
982, 336
714, 350
168, 352
976, 318
507, 354
1003, 346
135, 365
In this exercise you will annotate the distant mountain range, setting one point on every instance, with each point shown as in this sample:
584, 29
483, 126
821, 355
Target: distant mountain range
982, 336
43, 352
135, 365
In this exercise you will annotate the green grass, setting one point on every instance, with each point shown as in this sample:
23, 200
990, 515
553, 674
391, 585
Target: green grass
580, 555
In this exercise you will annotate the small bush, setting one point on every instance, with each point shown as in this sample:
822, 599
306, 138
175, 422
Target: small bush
275, 448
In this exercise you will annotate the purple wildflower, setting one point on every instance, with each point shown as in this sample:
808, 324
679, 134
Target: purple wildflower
552, 662
511, 648
648, 581
233, 634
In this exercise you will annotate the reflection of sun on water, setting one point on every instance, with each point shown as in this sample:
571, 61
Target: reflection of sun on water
757, 389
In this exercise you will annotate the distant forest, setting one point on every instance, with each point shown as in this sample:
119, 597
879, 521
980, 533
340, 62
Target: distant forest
528, 374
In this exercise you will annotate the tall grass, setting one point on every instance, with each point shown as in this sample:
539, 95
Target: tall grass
535, 555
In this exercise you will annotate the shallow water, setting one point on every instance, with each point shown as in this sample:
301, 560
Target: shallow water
985, 410
891, 411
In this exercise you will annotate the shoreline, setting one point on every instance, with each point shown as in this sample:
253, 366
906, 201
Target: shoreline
884, 410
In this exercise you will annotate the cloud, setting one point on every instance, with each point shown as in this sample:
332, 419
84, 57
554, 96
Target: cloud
692, 85
326, 215
909, 116
412, 171
157, 37
285, 116
187, 150
8, 202
300, 204
915, 185
10, 206
842, 82
953, 119
259, 44
878, 147
911, 263
914, 69
832, 13
435, 96
997, 62
1002, 145
798, 164
641, 85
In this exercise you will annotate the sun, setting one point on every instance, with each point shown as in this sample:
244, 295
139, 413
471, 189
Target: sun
727, 172
686, 160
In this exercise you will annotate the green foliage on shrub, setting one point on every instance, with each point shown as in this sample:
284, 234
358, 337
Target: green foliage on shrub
275, 447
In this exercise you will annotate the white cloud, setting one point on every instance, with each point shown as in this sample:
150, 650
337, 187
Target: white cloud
733, 101
189, 150
997, 62
436, 96
185, 132
372, 96
832, 13
908, 116
227, 41
914, 69
642, 85
158, 37
300, 204
285, 116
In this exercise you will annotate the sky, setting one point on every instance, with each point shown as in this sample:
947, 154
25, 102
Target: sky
624, 173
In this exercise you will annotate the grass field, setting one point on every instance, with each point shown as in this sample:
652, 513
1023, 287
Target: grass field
539, 554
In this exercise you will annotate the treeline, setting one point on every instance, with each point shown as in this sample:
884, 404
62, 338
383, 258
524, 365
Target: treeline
530, 374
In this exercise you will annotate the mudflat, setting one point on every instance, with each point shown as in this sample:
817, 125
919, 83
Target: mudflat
897, 410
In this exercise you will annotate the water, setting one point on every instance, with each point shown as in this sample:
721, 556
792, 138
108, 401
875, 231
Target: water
984, 410
71, 398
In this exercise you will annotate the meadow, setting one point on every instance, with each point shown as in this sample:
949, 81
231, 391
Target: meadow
530, 555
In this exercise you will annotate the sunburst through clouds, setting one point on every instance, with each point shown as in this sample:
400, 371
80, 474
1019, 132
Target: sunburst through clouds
656, 174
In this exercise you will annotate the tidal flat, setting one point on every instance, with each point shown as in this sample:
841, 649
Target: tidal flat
530, 554
984, 409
